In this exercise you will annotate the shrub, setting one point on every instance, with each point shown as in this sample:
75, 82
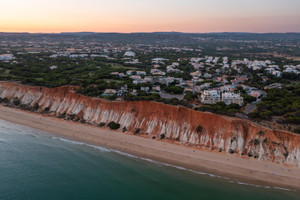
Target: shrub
297, 130
256, 142
267, 114
63, 115
76, 119
4, 100
189, 96
72, 116
47, 109
261, 133
162, 136
36, 106
16, 101
124, 129
199, 129
174, 90
101, 124
111, 98
24, 107
137, 131
113, 125
254, 115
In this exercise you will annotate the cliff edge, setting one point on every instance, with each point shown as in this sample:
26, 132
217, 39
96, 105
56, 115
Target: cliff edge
175, 124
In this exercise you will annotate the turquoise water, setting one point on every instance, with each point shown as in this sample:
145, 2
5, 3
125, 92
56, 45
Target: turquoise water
35, 165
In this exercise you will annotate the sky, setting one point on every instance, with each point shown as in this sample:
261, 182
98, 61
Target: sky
194, 16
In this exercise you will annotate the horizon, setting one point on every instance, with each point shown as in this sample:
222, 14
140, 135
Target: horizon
131, 16
158, 32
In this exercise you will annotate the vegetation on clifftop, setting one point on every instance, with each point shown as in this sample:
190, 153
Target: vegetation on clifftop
283, 103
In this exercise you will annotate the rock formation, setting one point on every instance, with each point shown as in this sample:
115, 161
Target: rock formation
157, 120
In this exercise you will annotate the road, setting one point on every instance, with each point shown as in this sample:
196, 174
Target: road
252, 106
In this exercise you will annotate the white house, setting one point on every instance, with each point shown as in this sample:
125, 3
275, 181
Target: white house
141, 73
210, 97
53, 67
109, 92
129, 54
214, 96
129, 72
6, 57
229, 98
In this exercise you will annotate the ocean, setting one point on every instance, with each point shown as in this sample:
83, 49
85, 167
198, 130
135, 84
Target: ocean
37, 165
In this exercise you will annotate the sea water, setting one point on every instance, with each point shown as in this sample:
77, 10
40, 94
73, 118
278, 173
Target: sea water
36, 165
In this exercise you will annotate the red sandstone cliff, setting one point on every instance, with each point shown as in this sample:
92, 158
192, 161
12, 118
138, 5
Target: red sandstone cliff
178, 124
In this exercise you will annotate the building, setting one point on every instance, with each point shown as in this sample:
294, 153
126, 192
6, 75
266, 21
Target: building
230, 98
157, 72
109, 92
135, 77
195, 74
78, 56
274, 85
159, 60
122, 91
141, 73
135, 61
277, 73
170, 69
207, 75
6, 57
156, 88
129, 72
256, 93
115, 73
210, 97
53, 67
129, 54
214, 96
146, 89
139, 81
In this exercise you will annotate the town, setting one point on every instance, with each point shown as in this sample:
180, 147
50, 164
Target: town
188, 74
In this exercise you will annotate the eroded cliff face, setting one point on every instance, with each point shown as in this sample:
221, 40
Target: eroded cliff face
177, 124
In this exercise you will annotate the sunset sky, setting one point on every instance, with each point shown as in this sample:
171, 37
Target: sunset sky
150, 15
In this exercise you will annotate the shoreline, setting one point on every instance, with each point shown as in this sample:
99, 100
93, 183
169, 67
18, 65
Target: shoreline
221, 164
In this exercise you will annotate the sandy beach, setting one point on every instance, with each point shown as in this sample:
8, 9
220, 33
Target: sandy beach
236, 168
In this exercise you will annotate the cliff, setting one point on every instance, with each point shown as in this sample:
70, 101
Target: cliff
176, 124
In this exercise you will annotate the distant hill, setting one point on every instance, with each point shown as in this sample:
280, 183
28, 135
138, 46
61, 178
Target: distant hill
194, 40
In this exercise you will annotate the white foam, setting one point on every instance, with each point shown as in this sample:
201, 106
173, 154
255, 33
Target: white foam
198, 172
165, 164
124, 154
102, 149
241, 183
99, 148
280, 188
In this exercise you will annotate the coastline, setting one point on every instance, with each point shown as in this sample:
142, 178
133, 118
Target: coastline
221, 164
